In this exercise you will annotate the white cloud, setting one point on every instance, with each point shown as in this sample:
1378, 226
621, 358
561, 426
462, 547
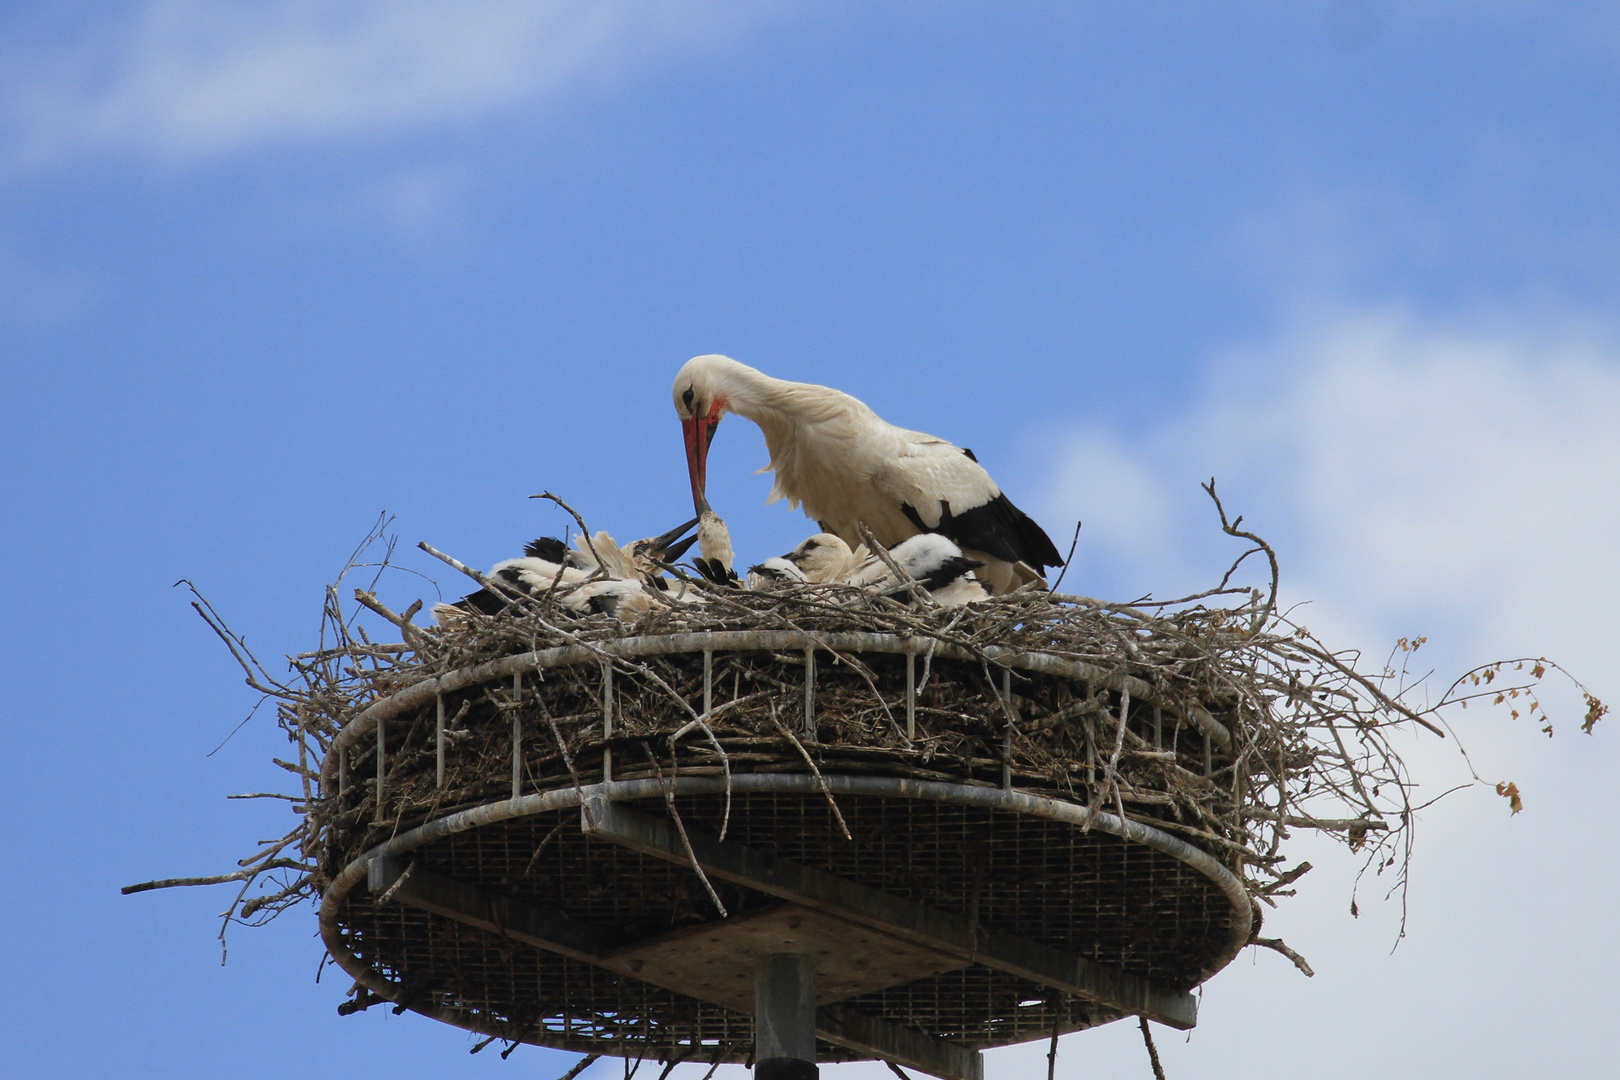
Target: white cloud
1457, 479
1119, 497
1410, 472
184, 78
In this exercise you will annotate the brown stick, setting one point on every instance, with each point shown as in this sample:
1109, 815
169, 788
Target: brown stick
1153, 1051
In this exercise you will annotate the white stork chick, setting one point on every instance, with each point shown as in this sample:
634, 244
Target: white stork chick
530, 575
549, 567
818, 560
844, 465
624, 600
933, 562
773, 573
714, 544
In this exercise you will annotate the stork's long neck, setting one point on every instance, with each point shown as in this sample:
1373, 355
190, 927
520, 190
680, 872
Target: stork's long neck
756, 396
776, 405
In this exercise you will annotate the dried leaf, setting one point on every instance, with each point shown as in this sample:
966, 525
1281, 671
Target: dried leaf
1510, 791
1594, 712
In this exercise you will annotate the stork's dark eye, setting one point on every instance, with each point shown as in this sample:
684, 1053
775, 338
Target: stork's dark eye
811, 545
687, 397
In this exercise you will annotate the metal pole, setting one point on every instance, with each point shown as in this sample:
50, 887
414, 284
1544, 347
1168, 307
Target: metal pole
911, 696
1006, 740
382, 772
517, 737
810, 694
785, 1017
607, 723
708, 681
438, 737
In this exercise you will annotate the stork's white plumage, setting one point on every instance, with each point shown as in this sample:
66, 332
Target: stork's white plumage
598, 575
928, 558
818, 560
933, 562
845, 465
714, 548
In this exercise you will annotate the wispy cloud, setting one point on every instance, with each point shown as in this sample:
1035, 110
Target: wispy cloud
1420, 477
185, 79
1457, 478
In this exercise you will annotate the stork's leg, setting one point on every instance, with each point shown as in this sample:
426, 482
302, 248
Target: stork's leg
785, 1018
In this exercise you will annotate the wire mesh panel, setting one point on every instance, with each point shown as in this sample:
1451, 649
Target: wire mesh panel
1076, 890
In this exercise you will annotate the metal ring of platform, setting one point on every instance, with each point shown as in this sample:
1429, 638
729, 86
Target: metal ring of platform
644, 790
848, 1031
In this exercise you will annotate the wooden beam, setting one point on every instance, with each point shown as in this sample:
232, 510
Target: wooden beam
506, 916
903, 1046
528, 924
917, 923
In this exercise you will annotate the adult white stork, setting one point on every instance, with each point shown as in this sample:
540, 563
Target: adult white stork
844, 464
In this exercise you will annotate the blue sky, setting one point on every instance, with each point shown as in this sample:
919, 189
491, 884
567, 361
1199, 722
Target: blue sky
268, 269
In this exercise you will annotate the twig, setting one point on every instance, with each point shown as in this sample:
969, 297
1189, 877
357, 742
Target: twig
1153, 1051
1276, 945
580, 1066
218, 879
1057, 1029
680, 827
584, 532
1061, 575
822, 780
910, 583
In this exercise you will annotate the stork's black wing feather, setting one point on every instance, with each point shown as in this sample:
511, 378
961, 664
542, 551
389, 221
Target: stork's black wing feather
483, 601
996, 528
947, 572
716, 571
548, 548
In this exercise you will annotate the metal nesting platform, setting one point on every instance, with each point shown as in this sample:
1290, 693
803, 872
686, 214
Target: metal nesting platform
954, 917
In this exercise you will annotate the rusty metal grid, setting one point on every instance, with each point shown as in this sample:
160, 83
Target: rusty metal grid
1089, 893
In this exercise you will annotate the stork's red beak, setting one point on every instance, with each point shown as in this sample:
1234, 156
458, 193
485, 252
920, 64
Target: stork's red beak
699, 433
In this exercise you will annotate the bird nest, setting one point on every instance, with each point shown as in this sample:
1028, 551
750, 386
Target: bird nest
1118, 782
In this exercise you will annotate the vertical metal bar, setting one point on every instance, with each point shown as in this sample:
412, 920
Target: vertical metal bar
810, 694
1006, 739
911, 696
382, 771
784, 1017
1209, 757
607, 722
708, 681
1091, 736
438, 740
1158, 728
517, 736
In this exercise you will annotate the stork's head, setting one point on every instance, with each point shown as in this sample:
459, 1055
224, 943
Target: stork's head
822, 558
700, 401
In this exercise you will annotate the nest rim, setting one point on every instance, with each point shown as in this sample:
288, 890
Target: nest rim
650, 645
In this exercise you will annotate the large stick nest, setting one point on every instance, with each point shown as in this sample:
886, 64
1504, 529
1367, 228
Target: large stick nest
1310, 727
